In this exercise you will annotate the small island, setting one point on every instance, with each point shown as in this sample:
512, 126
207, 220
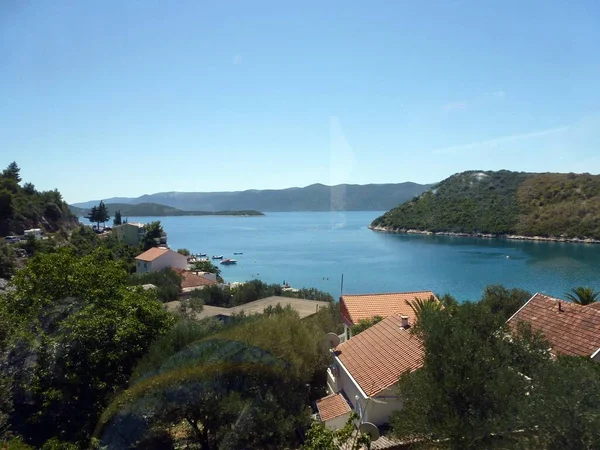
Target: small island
156, 210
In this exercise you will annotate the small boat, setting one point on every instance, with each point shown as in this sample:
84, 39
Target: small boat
228, 262
201, 254
218, 257
237, 253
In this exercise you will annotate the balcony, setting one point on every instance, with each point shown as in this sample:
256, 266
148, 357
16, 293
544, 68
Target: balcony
332, 384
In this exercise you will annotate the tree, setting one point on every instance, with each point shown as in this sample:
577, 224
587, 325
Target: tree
565, 404
419, 305
206, 266
154, 231
502, 301
7, 260
363, 324
12, 172
81, 329
117, 220
29, 189
320, 437
167, 282
183, 251
98, 214
6, 209
471, 390
244, 387
583, 295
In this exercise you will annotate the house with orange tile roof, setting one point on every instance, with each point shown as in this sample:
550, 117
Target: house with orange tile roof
365, 372
571, 329
158, 258
355, 308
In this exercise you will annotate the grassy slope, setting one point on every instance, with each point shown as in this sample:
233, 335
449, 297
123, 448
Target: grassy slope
504, 203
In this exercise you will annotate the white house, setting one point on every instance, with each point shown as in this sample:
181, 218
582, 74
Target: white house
365, 372
158, 258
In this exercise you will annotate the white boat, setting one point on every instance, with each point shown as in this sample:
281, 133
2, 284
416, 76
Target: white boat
228, 262
217, 257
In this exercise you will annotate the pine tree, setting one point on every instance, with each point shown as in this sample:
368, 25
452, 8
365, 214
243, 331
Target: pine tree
117, 220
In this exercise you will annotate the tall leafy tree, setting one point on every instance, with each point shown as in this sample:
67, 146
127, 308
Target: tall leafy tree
154, 231
583, 295
117, 220
81, 329
13, 172
471, 389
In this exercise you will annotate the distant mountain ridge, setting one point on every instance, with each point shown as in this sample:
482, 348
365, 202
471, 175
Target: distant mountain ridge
156, 210
316, 197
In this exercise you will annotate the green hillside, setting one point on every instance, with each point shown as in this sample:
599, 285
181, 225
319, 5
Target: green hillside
22, 206
504, 202
156, 210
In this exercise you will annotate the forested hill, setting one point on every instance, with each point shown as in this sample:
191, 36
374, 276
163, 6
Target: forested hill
156, 210
317, 197
22, 206
504, 202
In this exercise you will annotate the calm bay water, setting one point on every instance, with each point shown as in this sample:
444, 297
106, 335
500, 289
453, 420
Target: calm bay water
313, 249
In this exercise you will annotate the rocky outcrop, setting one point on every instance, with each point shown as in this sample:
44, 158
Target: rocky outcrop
575, 240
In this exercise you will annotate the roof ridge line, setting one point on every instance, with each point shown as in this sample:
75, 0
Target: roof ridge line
385, 293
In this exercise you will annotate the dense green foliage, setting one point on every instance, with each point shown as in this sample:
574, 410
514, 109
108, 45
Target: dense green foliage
254, 290
363, 324
99, 214
206, 266
502, 301
76, 331
156, 210
167, 282
349, 437
23, 207
242, 385
479, 389
502, 203
118, 220
154, 231
583, 295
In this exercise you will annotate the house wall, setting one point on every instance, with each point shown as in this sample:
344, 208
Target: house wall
337, 422
380, 408
143, 266
128, 233
169, 259
377, 411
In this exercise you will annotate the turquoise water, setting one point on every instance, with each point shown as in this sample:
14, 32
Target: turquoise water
315, 248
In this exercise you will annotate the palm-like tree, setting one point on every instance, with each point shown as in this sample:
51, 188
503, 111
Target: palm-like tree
418, 305
583, 295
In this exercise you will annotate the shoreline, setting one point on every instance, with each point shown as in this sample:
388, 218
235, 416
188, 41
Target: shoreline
514, 237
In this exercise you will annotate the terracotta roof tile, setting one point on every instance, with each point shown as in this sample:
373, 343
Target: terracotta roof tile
190, 279
366, 306
332, 406
573, 331
379, 355
152, 254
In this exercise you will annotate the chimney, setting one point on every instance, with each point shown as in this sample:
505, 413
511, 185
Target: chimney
560, 306
405, 322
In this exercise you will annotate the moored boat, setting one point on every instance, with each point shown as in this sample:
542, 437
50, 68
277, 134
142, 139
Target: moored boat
229, 261
217, 257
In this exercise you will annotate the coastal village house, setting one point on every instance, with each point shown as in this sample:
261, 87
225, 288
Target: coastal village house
130, 233
355, 308
365, 372
571, 329
158, 258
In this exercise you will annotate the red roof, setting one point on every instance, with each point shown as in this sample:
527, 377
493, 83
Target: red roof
152, 254
572, 330
367, 306
190, 279
379, 355
332, 406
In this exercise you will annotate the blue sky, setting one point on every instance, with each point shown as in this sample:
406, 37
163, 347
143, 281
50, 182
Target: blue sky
114, 98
